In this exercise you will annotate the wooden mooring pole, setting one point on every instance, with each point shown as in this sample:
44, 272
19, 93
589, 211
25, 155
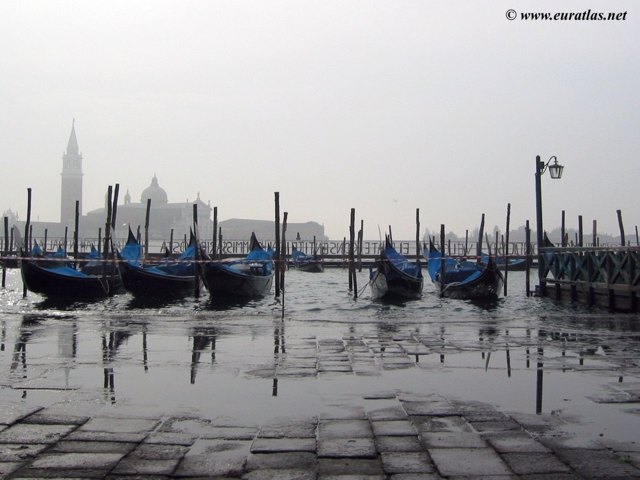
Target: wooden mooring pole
580, 232
527, 246
5, 251
353, 281
480, 235
114, 209
107, 234
284, 256
277, 253
196, 266
360, 242
27, 227
75, 232
442, 260
146, 230
418, 239
214, 250
506, 249
623, 240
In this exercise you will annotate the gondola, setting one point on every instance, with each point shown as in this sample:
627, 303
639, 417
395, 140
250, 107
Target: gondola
170, 278
306, 263
394, 277
250, 277
53, 276
464, 279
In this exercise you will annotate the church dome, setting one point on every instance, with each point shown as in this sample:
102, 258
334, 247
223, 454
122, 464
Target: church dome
155, 192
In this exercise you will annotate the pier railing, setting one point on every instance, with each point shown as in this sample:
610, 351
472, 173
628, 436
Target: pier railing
596, 276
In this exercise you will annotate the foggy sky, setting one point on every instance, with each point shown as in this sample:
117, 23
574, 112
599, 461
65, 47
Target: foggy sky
382, 106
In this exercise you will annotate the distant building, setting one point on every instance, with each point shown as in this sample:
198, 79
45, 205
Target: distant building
71, 180
164, 216
240, 229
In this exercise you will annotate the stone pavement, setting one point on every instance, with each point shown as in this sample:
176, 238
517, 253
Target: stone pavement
410, 438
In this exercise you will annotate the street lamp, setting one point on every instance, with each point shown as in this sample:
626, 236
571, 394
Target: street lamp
555, 171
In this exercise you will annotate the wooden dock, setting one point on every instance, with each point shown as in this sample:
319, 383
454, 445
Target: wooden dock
606, 277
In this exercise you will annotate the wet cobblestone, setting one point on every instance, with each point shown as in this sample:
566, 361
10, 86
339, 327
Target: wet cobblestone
428, 438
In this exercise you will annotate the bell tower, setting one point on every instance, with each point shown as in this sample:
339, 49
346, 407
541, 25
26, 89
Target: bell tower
71, 188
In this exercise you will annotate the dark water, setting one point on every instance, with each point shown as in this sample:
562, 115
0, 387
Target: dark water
329, 352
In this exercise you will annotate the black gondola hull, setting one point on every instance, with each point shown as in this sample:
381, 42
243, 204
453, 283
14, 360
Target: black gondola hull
142, 283
487, 286
48, 282
311, 266
387, 282
223, 283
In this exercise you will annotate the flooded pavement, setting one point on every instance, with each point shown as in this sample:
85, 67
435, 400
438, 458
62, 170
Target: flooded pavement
338, 388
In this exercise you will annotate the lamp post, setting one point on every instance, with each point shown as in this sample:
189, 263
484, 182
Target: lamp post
555, 171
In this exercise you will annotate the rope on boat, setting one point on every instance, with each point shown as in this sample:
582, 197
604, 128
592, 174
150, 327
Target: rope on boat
368, 283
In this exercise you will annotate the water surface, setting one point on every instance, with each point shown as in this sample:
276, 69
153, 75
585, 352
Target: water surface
329, 351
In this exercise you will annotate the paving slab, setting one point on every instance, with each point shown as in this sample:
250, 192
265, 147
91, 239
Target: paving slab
18, 452
74, 446
352, 477
598, 463
389, 413
399, 444
417, 476
430, 408
529, 463
393, 427
349, 466
347, 447
273, 474
35, 433
468, 461
132, 466
170, 438
10, 414
56, 416
453, 440
442, 424
8, 467
95, 436
407, 462
210, 458
514, 442
76, 461
119, 425
293, 429
342, 412
328, 429
281, 461
495, 426
266, 445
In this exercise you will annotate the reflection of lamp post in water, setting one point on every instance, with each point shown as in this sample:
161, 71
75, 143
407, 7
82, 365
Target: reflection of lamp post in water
555, 171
